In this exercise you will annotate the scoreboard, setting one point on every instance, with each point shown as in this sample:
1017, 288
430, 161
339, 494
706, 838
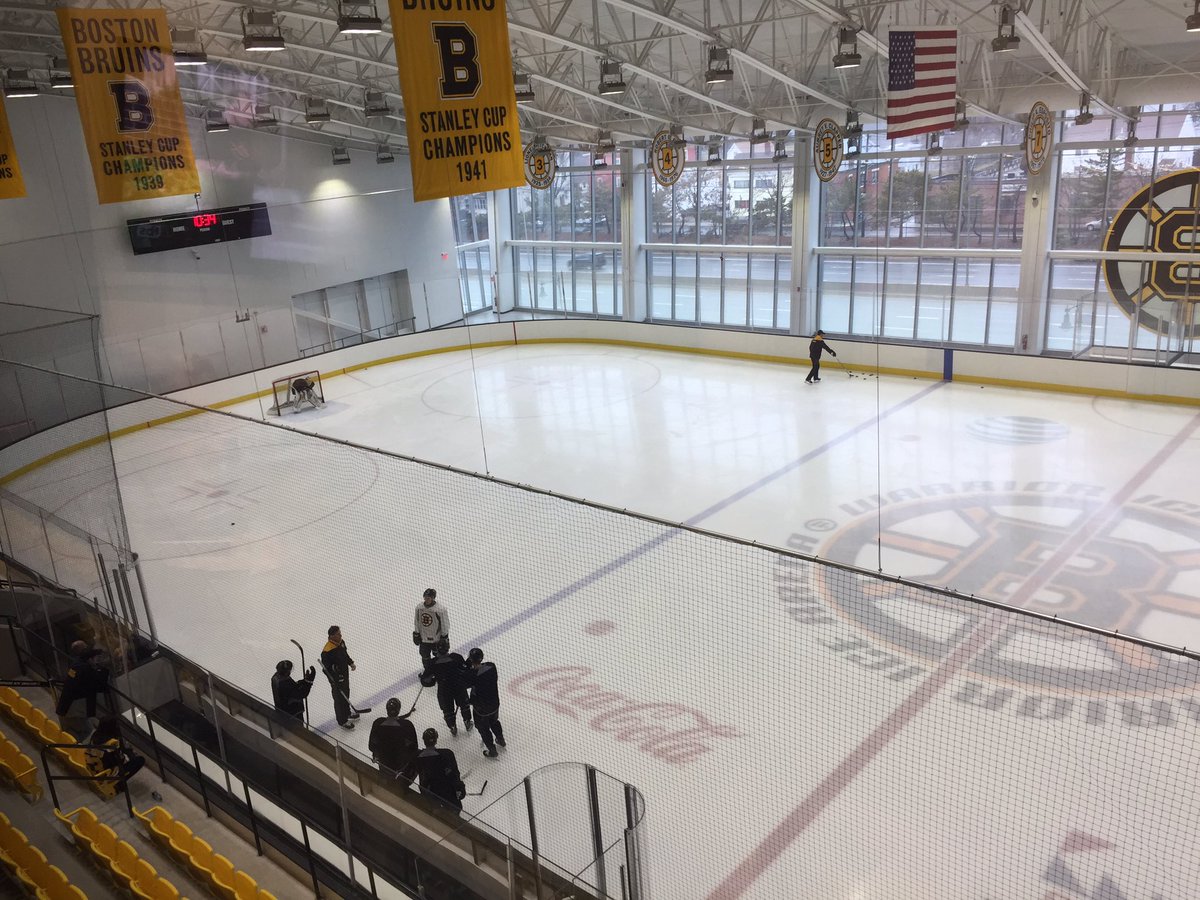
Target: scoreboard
195, 229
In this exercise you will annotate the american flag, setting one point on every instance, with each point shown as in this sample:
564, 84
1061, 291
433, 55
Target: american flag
922, 80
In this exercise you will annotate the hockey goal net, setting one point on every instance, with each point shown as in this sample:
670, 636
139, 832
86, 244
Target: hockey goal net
286, 392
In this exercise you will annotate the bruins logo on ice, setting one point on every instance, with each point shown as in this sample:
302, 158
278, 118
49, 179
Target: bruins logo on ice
989, 543
1161, 218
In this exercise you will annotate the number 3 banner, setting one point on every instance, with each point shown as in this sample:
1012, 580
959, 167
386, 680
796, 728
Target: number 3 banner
456, 76
128, 99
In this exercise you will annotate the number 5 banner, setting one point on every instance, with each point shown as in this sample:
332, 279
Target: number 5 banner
128, 99
456, 76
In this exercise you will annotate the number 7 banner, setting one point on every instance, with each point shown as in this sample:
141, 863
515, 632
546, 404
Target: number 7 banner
456, 76
133, 119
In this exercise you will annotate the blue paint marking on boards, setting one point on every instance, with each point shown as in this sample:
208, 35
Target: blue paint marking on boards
947, 365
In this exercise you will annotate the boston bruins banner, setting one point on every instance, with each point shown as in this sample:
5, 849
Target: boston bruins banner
11, 182
456, 77
128, 99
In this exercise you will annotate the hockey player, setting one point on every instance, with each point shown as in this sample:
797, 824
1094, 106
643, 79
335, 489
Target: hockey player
450, 673
288, 693
337, 666
438, 773
393, 743
485, 700
815, 347
431, 626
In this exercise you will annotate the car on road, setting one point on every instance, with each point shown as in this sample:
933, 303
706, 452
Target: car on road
1096, 224
588, 259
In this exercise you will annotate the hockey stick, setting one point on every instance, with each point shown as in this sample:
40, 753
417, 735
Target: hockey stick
841, 365
478, 793
303, 672
345, 696
414, 706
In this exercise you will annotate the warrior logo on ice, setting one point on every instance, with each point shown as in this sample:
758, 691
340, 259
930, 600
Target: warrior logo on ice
988, 539
671, 732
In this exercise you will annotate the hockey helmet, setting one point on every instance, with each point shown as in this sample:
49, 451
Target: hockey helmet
283, 667
427, 679
475, 656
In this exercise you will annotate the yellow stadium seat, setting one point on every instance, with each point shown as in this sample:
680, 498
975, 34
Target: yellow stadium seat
222, 877
179, 841
32, 867
67, 892
19, 769
121, 866
200, 860
163, 890
8, 696
264, 894
244, 887
104, 845
17, 710
144, 874
34, 720
83, 825
54, 880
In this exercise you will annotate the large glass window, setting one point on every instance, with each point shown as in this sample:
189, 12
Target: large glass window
471, 235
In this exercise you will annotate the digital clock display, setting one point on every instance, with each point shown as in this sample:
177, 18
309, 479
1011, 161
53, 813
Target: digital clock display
194, 229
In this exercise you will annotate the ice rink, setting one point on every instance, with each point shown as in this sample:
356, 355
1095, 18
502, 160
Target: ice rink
795, 734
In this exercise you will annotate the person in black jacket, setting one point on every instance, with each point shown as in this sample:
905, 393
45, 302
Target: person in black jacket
814, 353
438, 773
450, 673
86, 678
337, 665
485, 700
288, 693
393, 743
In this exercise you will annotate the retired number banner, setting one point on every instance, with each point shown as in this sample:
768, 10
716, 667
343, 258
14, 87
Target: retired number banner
456, 77
128, 99
11, 183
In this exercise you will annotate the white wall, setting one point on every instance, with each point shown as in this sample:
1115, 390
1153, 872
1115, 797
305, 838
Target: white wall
60, 248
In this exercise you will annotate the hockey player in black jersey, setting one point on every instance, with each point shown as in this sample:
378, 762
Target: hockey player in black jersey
450, 673
437, 770
485, 701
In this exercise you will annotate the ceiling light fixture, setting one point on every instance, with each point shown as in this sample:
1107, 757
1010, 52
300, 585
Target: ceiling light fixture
358, 17
215, 121
611, 82
19, 84
853, 125
264, 116
1085, 116
935, 144
781, 153
961, 122
758, 132
316, 110
1193, 21
375, 105
1006, 38
720, 67
340, 155
714, 153
188, 51
523, 88
384, 154
60, 74
260, 32
853, 145
847, 55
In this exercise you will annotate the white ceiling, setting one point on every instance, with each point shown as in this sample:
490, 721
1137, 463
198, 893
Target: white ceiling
1126, 52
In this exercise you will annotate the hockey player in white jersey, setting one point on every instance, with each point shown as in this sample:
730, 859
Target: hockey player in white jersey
431, 626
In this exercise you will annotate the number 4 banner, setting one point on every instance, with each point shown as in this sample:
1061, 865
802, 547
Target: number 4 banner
133, 119
456, 76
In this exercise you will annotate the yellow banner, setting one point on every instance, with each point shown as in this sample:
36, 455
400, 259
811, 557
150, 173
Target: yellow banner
11, 183
128, 99
456, 76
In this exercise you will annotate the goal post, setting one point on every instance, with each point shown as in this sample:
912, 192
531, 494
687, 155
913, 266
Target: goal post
286, 395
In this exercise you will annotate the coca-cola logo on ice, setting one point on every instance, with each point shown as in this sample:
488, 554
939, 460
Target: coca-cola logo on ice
669, 731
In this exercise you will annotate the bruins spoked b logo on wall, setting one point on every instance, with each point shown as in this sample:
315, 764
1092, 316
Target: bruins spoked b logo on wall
1162, 296
667, 157
827, 149
540, 164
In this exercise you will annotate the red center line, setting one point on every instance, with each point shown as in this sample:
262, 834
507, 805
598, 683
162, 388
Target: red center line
737, 882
